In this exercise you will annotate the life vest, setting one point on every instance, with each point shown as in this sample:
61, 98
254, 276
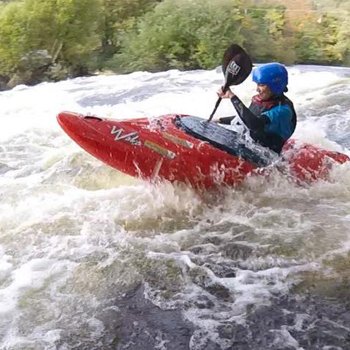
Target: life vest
271, 140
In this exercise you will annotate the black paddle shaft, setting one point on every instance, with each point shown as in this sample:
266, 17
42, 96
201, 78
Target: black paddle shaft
236, 67
224, 89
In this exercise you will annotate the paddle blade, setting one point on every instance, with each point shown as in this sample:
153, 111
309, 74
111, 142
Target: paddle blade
236, 65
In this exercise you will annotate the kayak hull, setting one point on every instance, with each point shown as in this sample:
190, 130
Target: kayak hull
160, 149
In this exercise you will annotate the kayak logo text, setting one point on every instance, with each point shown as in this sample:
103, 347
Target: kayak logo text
131, 137
233, 68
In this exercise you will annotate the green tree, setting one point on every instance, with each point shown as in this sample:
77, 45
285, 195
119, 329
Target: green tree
66, 29
317, 40
343, 43
264, 32
82, 35
181, 34
118, 16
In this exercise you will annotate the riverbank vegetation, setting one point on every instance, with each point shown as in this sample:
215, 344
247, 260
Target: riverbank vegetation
50, 40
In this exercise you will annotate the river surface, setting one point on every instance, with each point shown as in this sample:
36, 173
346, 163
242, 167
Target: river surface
93, 259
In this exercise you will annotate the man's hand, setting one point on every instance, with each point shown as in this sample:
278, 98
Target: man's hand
228, 94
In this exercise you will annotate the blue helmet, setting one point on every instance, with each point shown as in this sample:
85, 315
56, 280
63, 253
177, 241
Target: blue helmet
274, 75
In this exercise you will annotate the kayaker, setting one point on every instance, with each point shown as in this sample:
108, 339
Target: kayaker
271, 117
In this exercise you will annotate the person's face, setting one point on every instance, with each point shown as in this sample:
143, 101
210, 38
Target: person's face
263, 91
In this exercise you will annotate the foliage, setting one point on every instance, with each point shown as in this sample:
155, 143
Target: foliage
263, 29
181, 34
56, 38
65, 28
316, 41
337, 12
118, 16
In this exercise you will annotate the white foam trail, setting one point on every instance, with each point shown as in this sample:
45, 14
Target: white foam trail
78, 232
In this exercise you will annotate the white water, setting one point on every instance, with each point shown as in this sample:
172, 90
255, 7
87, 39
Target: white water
75, 234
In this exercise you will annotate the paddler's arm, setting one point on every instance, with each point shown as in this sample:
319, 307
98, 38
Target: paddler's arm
252, 121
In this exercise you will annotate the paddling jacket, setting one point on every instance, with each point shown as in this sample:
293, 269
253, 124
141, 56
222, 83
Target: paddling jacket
271, 123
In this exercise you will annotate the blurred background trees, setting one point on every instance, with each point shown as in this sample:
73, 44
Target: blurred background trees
55, 39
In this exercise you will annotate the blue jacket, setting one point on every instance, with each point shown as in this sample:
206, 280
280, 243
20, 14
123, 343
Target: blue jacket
271, 123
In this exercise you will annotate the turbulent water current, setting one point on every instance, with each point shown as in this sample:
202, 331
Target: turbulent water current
93, 259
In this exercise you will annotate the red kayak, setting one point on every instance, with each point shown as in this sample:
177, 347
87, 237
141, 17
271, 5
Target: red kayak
181, 148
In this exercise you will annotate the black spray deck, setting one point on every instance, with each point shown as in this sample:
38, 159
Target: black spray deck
227, 140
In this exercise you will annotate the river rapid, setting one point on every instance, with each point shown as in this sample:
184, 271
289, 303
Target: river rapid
93, 259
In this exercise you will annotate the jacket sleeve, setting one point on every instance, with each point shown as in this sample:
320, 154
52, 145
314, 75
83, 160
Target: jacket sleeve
252, 121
